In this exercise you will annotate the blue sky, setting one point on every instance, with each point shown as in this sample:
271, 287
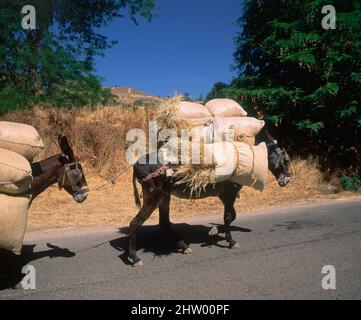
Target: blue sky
187, 48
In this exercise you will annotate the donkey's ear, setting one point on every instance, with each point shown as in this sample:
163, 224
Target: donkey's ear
66, 148
269, 137
59, 140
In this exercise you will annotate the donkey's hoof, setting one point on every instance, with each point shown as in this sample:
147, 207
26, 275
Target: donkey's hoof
18, 286
187, 251
138, 264
213, 232
235, 246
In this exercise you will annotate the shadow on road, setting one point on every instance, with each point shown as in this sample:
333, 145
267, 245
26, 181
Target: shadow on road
11, 264
154, 239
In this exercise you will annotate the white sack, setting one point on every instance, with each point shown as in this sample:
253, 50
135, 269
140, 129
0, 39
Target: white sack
225, 108
197, 122
242, 125
224, 158
15, 173
20, 138
222, 129
252, 166
13, 221
192, 110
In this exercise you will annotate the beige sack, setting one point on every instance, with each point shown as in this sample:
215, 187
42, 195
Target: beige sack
196, 122
237, 162
229, 129
242, 125
192, 110
15, 173
250, 140
252, 166
13, 221
224, 158
225, 108
220, 131
20, 138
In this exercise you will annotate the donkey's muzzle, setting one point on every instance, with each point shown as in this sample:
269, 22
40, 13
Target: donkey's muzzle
81, 197
283, 180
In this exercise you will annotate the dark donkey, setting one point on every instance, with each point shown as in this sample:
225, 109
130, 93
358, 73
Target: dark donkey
157, 192
63, 169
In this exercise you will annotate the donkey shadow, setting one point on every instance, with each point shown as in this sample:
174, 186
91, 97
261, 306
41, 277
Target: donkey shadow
11, 265
155, 240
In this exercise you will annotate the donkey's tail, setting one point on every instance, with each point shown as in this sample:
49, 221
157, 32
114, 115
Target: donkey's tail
136, 192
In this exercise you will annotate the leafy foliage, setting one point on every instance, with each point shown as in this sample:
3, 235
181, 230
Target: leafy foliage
55, 63
217, 91
304, 80
351, 182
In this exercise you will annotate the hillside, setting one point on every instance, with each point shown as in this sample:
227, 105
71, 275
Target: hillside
133, 97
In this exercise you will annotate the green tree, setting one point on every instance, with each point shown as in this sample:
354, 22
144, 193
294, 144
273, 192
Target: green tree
303, 79
217, 91
186, 97
55, 62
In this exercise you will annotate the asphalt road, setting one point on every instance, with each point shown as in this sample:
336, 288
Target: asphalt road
281, 257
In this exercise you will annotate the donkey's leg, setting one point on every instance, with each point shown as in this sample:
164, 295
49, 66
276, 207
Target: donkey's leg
165, 223
228, 198
152, 197
228, 189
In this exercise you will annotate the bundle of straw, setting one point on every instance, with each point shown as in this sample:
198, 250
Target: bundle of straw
167, 116
195, 176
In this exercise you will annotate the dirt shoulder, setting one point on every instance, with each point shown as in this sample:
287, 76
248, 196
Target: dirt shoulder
47, 233
113, 205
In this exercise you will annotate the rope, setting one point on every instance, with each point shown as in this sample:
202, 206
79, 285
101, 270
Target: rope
251, 173
92, 247
112, 180
212, 114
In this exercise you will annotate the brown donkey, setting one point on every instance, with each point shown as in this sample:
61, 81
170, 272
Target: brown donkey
157, 190
63, 169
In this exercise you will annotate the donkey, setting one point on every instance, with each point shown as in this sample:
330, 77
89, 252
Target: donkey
158, 189
63, 169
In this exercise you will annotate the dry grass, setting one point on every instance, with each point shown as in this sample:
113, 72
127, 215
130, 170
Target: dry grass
98, 139
114, 204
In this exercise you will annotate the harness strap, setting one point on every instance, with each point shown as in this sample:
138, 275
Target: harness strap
161, 171
63, 180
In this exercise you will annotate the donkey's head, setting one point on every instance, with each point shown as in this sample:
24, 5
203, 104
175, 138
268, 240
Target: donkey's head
71, 176
278, 161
